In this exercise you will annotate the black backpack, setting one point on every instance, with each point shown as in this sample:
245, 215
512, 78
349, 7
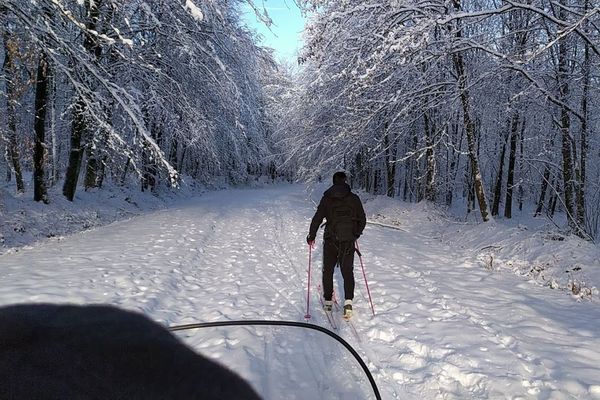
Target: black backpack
342, 221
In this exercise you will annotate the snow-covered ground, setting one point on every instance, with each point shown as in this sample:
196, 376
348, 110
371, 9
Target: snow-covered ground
24, 221
452, 320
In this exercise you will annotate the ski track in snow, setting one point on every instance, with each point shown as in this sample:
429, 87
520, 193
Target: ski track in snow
445, 328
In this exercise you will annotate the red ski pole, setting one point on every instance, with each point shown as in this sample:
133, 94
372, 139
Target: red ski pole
307, 315
365, 276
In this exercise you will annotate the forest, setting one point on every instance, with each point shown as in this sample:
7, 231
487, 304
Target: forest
135, 92
488, 106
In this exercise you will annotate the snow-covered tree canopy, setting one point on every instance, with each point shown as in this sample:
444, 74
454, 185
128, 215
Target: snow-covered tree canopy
158, 87
478, 98
479, 102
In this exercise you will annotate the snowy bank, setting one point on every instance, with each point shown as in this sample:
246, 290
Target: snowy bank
24, 221
531, 247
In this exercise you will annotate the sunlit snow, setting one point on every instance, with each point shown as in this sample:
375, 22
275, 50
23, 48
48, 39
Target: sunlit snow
445, 326
194, 10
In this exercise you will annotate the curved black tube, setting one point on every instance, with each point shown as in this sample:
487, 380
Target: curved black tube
286, 323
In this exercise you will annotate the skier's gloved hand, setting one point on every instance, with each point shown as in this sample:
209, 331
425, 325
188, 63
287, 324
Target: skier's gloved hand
310, 240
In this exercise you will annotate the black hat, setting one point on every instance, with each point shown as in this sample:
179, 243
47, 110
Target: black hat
339, 177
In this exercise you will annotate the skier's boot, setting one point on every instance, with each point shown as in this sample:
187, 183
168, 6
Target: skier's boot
347, 309
327, 305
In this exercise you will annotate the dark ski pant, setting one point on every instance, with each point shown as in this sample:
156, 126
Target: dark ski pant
343, 254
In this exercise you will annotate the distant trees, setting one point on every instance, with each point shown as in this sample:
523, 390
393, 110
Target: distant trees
456, 100
152, 89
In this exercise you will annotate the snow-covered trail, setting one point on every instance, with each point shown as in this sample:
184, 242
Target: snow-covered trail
445, 327
224, 255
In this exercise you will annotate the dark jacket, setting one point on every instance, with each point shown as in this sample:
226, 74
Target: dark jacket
339, 191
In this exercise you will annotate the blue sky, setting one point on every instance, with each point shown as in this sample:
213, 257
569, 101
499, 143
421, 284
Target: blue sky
287, 27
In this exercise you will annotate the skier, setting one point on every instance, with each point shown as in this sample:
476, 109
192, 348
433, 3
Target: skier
345, 221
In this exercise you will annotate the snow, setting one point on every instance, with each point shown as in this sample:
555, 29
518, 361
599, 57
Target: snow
23, 221
446, 325
125, 41
527, 246
194, 10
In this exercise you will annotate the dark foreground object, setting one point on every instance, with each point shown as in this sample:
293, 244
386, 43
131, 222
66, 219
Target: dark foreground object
101, 352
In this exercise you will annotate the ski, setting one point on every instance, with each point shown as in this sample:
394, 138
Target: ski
353, 329
328, 314
347, 320
331, 319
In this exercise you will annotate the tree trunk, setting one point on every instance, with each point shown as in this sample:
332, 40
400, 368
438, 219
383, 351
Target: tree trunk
390, 162
586, 72
55, 174
430, 160
181, 158
521, 162
94, 173
470, 130
565, 128
459, 65
90, 43
91, 170
567, 165
376, 180
450, 180
454, 165
41, 101
416, 172
450, 168
407, 179
407, 190
553, 198
498, 186
512, 157
543, 190
470, 190
173, 154
10, 74
76, 152
125, 171
7, 160
101, 172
